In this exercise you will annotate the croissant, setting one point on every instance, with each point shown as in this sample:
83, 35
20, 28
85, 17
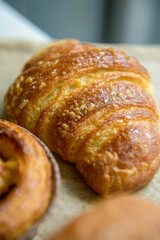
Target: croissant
122, 218
94, 107
29, 179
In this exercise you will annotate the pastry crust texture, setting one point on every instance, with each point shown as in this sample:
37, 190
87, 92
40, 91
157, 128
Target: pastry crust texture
122, 218
29, 179
94, 107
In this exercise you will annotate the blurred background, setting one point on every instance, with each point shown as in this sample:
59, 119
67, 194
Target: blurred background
111, 21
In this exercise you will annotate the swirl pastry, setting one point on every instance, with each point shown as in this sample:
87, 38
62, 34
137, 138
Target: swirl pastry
122, 218
28, 180
94, 107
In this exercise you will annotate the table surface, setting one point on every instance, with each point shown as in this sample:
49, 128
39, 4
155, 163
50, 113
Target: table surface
75, 196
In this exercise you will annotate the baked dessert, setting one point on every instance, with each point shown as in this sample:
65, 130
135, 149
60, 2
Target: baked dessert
94, 107
122, 218
29, 178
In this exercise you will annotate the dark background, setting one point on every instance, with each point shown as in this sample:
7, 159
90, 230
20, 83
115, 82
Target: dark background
112, 21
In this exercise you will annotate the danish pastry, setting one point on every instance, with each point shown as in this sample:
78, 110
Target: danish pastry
29, 179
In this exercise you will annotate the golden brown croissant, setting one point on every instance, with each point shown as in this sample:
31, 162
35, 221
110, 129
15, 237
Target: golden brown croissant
28, 180
95, 108
122, 218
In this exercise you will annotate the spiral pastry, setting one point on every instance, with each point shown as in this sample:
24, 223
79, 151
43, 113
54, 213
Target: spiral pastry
94, 107
28, 180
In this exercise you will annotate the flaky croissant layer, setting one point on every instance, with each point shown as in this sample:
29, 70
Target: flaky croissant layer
94, 107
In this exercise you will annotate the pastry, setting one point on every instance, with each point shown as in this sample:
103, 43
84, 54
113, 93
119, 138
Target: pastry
122, 218
94, 107
29, 178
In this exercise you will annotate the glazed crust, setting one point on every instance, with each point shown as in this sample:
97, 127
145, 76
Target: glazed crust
29, 178
123, 218
94, 107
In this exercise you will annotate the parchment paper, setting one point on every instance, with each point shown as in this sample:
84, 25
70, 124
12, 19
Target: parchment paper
74, 196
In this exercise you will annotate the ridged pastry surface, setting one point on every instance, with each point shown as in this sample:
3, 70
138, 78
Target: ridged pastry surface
28, 181
95, 108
